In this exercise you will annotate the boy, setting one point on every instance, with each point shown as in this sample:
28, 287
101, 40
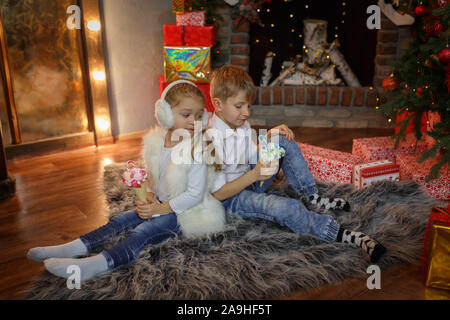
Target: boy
238, 185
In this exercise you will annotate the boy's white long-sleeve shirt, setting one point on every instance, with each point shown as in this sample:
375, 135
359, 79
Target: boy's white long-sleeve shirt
237, 149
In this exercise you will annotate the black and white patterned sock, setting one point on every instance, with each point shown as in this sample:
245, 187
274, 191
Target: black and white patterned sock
329, 203
358, 239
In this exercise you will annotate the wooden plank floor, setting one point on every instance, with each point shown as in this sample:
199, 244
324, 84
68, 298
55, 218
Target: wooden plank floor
59, 197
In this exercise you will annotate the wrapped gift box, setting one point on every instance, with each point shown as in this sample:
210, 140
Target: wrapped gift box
410, 169
203, 86
383, 148
329, 165
189, 35
190, 63
181, 6
436, 249
194, 18
438, 261
367, 173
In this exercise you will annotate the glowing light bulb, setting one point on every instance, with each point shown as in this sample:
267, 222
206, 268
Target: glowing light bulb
99, 75
93, 25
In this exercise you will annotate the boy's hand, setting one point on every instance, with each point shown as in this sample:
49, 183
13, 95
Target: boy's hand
263, 171
282, 129
150, 197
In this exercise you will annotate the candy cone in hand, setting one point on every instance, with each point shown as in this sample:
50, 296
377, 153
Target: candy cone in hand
135, 178
268, 152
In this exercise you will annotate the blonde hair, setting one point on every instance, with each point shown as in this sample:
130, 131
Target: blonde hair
228, 80
183, 90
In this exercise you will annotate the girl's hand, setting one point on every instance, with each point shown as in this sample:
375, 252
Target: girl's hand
147, 210
282, 129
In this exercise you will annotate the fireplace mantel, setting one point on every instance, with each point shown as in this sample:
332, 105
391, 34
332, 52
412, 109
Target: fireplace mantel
315, 106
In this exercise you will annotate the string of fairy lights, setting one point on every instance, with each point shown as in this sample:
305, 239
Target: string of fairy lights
295, 24
295, 27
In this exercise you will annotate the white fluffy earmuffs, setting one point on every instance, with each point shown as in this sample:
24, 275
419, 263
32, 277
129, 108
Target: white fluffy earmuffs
163, 110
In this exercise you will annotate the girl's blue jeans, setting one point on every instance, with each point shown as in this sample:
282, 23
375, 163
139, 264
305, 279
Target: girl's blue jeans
145, 232
254, 203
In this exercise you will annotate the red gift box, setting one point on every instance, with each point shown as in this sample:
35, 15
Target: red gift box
410, 169
194, 18
383, 148
329, 165
189, 35
203, 86
367, 173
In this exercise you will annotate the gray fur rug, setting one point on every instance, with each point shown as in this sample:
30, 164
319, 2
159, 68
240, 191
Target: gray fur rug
256, 259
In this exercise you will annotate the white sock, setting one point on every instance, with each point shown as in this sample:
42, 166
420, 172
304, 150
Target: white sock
89, 267
329, 203
71, 249
358, 239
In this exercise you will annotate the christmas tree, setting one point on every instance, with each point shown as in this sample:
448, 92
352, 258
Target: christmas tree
420, 83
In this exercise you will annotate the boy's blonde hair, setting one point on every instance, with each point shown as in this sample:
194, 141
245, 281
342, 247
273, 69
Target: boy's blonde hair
182, 90
228, 80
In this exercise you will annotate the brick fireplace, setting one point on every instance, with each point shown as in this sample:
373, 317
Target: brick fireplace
314, 106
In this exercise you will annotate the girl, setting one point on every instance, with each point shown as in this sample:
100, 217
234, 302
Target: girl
178, 192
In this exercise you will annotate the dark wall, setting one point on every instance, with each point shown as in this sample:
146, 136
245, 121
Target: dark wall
358, 43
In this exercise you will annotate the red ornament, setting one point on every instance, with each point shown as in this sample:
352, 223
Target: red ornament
438, 28
419, 92
434, 30
444, 55
389, 83
420, 10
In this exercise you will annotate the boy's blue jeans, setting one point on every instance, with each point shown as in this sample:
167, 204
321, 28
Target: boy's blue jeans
254, 203
145, 231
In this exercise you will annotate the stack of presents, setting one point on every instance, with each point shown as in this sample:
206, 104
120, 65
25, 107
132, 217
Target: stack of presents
187, 49
375, 159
